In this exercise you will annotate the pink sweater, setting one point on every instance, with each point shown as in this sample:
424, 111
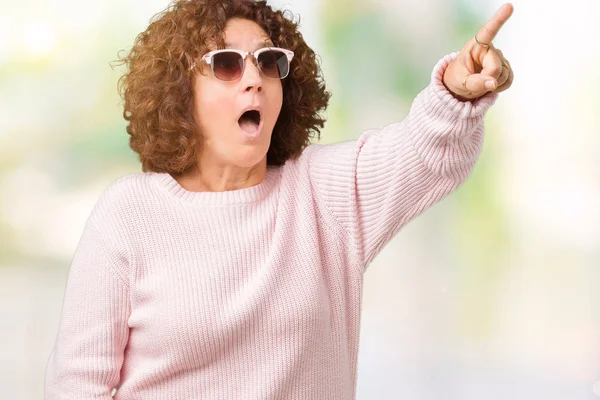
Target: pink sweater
252, 293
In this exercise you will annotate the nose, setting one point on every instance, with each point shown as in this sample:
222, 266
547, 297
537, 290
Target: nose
251, 77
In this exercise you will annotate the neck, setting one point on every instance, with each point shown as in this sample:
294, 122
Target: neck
221, 179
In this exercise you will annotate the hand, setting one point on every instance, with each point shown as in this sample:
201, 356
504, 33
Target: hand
481, 64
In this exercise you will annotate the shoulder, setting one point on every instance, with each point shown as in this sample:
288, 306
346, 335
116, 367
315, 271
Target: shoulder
123, 190
118, 201
327, 158
311, 154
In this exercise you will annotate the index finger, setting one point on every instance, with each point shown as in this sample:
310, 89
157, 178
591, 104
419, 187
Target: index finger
489, 31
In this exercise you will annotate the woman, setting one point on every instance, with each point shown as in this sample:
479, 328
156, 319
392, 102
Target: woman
232, 267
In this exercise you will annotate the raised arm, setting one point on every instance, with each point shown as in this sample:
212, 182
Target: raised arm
374, 185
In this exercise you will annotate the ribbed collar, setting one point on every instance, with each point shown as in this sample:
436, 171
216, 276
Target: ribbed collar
169, 185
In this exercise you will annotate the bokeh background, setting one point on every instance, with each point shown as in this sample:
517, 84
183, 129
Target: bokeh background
494, 293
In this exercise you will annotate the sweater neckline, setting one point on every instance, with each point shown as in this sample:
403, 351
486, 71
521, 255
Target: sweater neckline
252, 194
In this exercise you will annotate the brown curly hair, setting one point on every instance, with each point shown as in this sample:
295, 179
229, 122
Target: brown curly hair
158, 87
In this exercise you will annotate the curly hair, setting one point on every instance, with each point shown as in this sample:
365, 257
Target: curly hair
158, 92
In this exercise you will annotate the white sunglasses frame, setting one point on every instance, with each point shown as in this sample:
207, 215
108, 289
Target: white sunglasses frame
208, 58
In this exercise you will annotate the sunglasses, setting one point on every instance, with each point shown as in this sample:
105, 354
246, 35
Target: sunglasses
228, 64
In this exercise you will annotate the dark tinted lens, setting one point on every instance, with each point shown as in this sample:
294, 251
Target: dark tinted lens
274, 64
228, 65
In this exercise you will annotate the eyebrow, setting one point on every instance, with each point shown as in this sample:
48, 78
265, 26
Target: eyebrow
266, 42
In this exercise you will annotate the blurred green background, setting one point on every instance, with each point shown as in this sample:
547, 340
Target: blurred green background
492, 293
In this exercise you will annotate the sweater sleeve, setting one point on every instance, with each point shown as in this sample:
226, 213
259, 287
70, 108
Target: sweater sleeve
374, 185
88, 353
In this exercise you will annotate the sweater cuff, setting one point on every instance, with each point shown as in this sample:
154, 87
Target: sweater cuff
451, 105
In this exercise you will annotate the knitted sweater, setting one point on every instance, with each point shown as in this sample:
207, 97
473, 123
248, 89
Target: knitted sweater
252, 293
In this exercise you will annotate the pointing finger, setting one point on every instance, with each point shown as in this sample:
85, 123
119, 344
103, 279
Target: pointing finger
491, 28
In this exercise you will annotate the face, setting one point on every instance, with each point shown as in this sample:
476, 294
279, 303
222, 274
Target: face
219, 104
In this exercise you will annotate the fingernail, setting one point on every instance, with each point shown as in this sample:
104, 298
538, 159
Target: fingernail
490, 85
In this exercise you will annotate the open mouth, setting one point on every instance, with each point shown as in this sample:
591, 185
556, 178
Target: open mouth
250, 121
